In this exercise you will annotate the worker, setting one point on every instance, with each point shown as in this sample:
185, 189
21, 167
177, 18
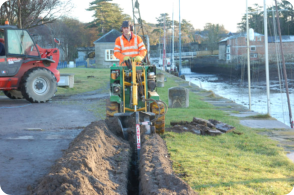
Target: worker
129, 45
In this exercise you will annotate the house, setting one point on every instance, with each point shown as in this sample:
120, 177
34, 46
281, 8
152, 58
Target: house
234, 48
104, 54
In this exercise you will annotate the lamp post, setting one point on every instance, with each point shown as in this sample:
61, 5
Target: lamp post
266, 58
180, 41
248, 56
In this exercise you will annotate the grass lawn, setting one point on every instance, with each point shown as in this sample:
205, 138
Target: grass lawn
82, 83
226, 164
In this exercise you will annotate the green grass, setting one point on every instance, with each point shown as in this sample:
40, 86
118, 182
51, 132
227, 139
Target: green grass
81, 81
260, 116
226, 164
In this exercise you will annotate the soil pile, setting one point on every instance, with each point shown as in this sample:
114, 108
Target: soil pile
96, 162
201, 127
156, 172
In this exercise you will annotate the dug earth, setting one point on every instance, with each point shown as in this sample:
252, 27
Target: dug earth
61, 147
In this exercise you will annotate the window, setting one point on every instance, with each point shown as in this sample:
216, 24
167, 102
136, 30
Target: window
253, 55
228, 49
20, 43
109, 55
228, 57
252, 48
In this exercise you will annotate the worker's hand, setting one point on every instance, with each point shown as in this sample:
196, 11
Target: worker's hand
126, 58
137, 59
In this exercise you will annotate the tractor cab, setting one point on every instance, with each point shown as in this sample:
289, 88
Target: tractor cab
16, 45
26, 70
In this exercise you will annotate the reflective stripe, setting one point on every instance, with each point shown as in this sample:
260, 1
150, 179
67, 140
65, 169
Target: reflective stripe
141, 44
130, 53
136, 41
121, 42
142, 48
116, 50
117, 46
131, 47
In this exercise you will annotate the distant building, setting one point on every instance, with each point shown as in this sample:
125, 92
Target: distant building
84, 52
104, 46
234, 48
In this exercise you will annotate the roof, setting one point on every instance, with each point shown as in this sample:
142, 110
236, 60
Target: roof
285, 38
7, 26
109, 37
243, 34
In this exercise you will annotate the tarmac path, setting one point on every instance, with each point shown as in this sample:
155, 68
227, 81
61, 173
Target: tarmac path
33, 136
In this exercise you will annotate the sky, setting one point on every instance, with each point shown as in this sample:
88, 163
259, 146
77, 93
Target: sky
223, 12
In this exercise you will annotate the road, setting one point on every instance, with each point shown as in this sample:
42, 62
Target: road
26, 154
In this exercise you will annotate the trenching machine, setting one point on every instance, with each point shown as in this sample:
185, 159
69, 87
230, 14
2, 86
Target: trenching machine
134, 101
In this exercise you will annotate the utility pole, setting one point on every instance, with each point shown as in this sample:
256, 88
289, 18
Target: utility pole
173, 65
180, 41
248, 56
164, 43
266, 58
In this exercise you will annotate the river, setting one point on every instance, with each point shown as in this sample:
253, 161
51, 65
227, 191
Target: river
237, 91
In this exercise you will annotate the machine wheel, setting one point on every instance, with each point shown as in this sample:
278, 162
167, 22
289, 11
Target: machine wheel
160, 122
38, 85
13, 94
111, 108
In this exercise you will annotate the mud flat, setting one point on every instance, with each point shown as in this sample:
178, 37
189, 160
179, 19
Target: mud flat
99, 161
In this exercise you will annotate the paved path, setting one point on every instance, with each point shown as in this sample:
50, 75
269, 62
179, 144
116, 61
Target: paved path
27, 155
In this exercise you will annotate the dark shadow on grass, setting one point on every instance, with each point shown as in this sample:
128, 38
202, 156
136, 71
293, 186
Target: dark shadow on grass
261, 180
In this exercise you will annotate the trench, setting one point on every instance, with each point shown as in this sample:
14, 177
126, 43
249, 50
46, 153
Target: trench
133, 174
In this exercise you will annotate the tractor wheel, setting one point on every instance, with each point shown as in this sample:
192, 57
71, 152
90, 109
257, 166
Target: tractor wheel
13, 94
111, 108
160, 122
38, 85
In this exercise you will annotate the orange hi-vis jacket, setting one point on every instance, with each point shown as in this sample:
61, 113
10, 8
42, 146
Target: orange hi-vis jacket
132, 48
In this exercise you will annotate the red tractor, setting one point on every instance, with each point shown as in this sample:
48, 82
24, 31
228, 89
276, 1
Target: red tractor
26, 70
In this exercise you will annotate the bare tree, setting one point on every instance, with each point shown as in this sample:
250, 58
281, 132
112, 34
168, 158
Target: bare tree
31, 13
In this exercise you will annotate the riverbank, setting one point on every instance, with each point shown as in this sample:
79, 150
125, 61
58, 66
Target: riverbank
250, 163
238, 69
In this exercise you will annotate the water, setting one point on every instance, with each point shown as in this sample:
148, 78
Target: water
237, 91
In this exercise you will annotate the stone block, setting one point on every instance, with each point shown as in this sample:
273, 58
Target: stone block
160, 77
160, 80
178, 97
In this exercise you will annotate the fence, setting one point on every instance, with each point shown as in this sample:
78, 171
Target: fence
78, 64
62, 65
81, 63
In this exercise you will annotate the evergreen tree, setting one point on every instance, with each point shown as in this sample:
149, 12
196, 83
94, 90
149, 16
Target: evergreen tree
107, 16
